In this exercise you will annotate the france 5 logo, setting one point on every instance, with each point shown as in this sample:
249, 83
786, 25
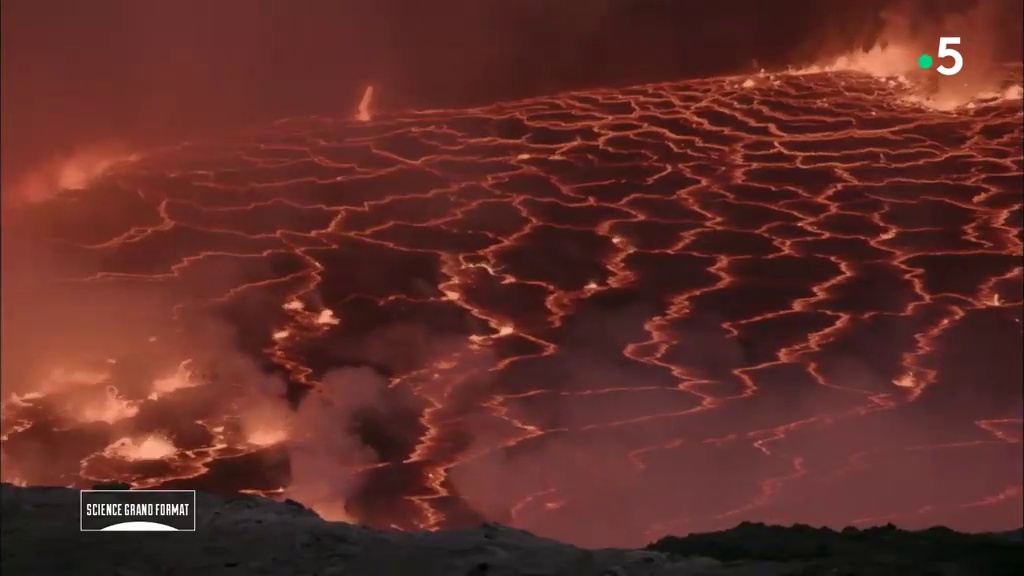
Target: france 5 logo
925, 61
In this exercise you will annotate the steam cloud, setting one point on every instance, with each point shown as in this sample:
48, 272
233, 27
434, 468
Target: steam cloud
904, 30
121, 357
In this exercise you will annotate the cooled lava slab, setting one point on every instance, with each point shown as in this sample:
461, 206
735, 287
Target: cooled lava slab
601, 316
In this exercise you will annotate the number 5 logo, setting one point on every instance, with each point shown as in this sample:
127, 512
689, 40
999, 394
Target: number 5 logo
945, 51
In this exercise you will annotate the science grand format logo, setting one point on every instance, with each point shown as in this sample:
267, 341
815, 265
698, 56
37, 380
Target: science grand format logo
138, 510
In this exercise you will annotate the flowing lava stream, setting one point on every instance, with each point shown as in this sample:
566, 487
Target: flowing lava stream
602, 316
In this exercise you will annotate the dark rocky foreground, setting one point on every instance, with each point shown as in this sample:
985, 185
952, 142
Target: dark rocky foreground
251, 535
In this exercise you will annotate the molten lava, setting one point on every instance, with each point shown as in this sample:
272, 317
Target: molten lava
602, 316
147, 448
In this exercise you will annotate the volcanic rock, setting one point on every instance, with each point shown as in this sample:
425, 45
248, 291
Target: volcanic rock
258, 536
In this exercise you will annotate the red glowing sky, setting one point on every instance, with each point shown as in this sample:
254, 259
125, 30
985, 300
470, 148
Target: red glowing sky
75, 73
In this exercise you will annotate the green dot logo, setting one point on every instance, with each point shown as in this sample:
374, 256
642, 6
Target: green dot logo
924, 61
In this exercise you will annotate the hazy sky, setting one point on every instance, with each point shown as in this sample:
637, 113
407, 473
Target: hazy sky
75, 72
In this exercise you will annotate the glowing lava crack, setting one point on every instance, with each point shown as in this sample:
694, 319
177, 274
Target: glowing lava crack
601, 316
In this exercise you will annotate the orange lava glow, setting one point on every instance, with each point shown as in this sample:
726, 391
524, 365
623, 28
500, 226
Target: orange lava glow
601, 316
72, 172
894, 55
135, 449
364, 114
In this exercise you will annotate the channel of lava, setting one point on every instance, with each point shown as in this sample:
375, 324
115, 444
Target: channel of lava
602, 316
